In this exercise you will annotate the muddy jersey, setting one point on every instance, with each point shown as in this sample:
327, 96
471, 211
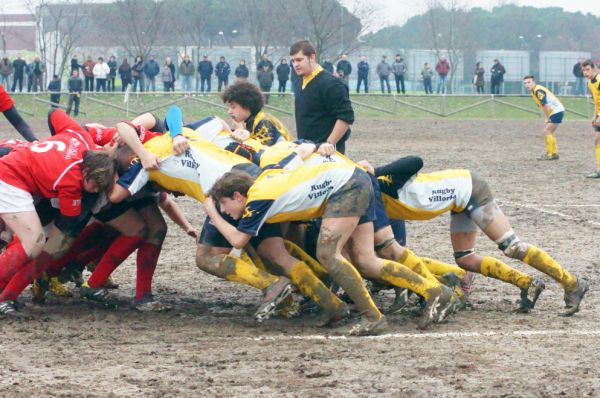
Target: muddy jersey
594, 86
292, 195
267, 129
544, 97
192, 173
427, 195
5, 101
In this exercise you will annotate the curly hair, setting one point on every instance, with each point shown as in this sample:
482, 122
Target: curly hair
245, 94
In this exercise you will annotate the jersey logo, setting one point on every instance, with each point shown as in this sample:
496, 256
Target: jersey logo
540, 95
248, 213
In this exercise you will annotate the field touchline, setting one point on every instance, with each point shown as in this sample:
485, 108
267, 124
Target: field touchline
555, 213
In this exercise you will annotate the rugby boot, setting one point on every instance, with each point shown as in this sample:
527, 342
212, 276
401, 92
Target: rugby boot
58, 289
110, 284
400, 301
574, 297
289, 308
438, 307
72, 272
549, 157
333, 316
595, 174
530, 295
39, 289
274, 294
9, 309
366, 327
100, 295
149, 304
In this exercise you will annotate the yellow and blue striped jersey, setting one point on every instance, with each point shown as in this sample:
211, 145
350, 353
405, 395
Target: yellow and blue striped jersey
292, 195
594, 86
427, 195
267, 129
542, 96
192, 173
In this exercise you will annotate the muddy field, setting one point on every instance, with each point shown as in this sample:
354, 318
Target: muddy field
209, 345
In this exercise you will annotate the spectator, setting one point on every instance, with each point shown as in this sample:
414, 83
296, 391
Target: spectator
6, 69
383, 71
173, 74
101, 71
363, 74
29, 74
75, 86
427, 75
242, 72
19, 66
54, 88
137, 72
112, 74
223, 69
125, 74
283, 74
205, 70
579, 78
186, 72
166, 76
265, 81
478, 79
399, 70
75, 64
498, 72
442, 68
344, 69
88, 73
37, 73
327, 65
264, 61
151, 69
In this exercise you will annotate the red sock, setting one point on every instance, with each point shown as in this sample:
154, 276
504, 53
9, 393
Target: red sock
120, 249
25, 276
147, 258
12, 259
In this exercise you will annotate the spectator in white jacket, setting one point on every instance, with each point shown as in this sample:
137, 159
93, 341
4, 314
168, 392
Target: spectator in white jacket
101, 71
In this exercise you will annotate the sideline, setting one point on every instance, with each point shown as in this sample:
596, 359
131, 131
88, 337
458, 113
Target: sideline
555, 213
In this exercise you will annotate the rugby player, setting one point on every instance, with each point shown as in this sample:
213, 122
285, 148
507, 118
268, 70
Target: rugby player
553, 110
472, 204
7, 107
590, 71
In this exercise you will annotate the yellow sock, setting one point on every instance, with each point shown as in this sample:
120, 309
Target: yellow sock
316, 266
303, 277
235, 269
495, 268
598, 156
400, 276
549, 144
439, 268
413, 262
250, 256
542, 261
554, 146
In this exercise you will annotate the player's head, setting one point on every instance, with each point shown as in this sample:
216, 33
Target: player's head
589, 69
529, 82
304, 57
231, 192
99, 171
243, 99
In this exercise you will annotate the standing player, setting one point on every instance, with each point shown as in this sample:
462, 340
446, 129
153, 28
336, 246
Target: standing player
554, 111
590, 71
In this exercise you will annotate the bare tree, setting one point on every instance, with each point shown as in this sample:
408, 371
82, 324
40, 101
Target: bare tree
262, 22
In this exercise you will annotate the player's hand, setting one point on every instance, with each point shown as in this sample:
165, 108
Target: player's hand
209, 206
326, 149
305, 149
367, 166
150, 161
180, 144
193, 232
240, 135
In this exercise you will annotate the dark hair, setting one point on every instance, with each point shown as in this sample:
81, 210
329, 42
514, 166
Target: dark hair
588, 62
246, 94
230, 183
303, 46
529, 77
100, 167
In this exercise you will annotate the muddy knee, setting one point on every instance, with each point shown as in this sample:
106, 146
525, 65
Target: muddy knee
512, 246
467, 259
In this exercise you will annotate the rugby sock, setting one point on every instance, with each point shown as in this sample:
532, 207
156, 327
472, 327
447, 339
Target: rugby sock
12, 259
495, 268
413, 262
598, 156
439, 268
345, 275
234, 269
25, 276
303, 277
401, 276
315, 266
554, 146
147, 259
541, 261
548, 144
120, 249
250, 256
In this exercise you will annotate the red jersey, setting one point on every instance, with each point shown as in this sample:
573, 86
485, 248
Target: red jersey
5, 101
106, 135
14, 144
51, 168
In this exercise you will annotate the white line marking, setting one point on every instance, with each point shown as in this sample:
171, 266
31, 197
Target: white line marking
553, 213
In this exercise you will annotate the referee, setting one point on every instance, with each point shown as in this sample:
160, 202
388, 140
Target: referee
322, 105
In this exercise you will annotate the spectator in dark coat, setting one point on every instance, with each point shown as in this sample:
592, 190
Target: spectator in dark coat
137, 72
264, 61
363, 74
172, 67
88, 73
498, 72
75, 86
580, 86
38, 68
242, 72
75, 65
151, 70
265, 81
399, 70
478, 79
383, 71
222, 71
205, 70
327, 65
18, 73
283, 74
442, 68
167, 77
344, 69
6, 69
54, 88
125, 73
112, 74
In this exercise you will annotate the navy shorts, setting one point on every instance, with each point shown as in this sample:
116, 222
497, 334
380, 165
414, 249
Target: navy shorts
557, 118
211, 236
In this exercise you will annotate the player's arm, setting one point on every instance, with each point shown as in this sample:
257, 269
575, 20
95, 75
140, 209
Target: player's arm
175, 213
340, 107
130, 137
236, 238
129, 183
7, 106
174, 123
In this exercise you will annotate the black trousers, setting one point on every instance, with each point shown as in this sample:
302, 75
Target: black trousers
400, 83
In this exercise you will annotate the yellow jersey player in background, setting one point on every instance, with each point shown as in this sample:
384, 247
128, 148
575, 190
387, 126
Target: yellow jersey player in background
590, 71
554, 112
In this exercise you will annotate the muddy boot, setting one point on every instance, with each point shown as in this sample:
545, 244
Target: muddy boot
438, 307
274, 294
574, 297
333, 316
366, 327
400, 301
530, 295
110, 284
9, 310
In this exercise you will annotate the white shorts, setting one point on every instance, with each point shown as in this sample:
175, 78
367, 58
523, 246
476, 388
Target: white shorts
14, 200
